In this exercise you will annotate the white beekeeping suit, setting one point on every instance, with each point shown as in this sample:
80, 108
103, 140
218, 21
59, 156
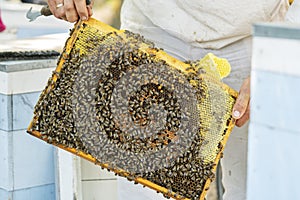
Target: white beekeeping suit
189, 29
204, 23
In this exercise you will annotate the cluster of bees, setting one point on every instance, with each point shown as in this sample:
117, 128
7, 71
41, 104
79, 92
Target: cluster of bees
129, 110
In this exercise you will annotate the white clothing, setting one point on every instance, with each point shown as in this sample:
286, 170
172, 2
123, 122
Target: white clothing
202, 23
234, 162
189, 29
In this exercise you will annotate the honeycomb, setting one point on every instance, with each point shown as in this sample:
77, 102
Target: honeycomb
120, 102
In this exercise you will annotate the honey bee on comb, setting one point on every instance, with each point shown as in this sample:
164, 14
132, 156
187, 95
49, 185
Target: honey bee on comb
120, 102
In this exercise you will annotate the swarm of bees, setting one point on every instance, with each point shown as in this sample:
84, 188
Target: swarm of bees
131, 110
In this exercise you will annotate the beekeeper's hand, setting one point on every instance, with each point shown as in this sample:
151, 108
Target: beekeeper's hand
70, 10
241, 109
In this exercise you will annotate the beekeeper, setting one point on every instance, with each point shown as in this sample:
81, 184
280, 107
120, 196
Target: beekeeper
188, 30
